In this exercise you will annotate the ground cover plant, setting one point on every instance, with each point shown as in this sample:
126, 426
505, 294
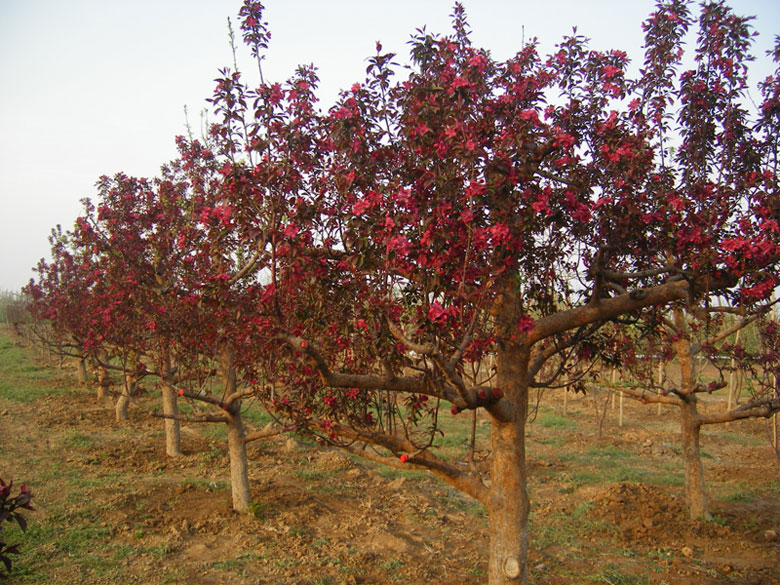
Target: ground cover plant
10, 512
447, 242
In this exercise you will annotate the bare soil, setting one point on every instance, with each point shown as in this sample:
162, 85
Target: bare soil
112, 508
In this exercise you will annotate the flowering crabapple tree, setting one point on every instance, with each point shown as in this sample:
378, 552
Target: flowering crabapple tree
762, 365
171, 288
59, 301
687, 338
360, 268
509, 208
168, 240
712, 114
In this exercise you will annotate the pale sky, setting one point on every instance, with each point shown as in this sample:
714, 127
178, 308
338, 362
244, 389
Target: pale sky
93, 87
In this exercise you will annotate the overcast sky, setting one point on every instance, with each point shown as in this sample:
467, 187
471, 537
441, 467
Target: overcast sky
93, 87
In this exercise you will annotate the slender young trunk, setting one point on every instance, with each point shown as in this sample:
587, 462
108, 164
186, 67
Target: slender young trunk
123, 401
81, 370
733, 377
239, 466
170, 408
508, 504
102, 383
775, 426
102, 389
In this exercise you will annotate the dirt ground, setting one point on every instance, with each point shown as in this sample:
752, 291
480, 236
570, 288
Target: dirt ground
112, 508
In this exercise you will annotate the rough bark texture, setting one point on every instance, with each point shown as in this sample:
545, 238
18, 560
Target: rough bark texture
171, 410
508, 500
695, 489
690, 423
172, 427
239, 467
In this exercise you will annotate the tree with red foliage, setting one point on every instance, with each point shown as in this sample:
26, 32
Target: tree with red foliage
763, 366
362, 267
510, 208
690, 338
59, 301
165, 255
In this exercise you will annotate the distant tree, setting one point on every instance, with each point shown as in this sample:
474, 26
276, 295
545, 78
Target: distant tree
692, 340
13, 310
763, 367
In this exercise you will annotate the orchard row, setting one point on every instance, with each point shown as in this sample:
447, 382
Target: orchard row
457, 237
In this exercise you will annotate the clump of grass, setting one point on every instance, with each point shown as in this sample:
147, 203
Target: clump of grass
238, 564
609, 452
552, 441
741, 495
555, 421
613, 576
78, 441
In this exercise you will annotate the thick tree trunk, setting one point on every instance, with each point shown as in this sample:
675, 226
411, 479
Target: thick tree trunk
172, 427
170, 408
690, 423
508, 505
695, 490
239, 466
508, 500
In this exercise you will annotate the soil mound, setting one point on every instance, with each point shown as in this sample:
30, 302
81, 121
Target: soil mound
641, 512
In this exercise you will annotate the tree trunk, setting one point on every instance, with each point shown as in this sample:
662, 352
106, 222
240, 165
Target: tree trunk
170, 408
690, 423
508, 503
81, 369
239, 466
102, 389
102, 383
123, 401
695, 490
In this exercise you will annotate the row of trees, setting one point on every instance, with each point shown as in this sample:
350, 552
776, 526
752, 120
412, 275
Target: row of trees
455, 239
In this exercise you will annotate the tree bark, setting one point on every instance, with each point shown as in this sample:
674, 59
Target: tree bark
239, 466
102, 388
81, 369
690, 423
102, 383
695, 489
171, 409
123, 401
508, 503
